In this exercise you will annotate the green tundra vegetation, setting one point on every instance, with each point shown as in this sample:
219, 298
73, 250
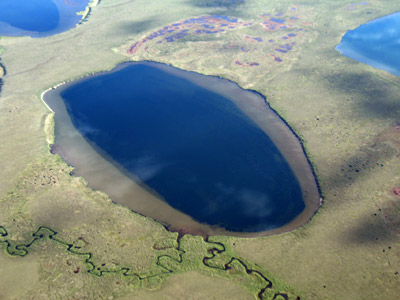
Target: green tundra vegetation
63, 240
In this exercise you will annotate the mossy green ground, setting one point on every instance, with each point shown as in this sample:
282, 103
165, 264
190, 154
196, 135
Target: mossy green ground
346, 113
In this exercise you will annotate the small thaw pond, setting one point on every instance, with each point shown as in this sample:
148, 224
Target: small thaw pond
376, 43
39, 18
197, 153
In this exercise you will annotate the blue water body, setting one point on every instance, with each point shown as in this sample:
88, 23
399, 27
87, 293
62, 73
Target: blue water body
39, 18
195, 148
376, 43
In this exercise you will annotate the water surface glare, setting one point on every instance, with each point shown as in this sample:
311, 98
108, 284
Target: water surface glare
181, 142
376, 43
39, 18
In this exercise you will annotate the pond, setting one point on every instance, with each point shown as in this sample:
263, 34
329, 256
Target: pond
376, 43
193, 152
39, 18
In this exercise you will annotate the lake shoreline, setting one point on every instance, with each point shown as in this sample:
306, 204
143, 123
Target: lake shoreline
202, 229
372, 43
69, 18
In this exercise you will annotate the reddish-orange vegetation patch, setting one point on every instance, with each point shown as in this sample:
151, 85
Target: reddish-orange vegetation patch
276, 58
396, 191
251, 64
203, 25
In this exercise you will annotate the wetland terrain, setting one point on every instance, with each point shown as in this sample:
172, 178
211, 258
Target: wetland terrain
64, 239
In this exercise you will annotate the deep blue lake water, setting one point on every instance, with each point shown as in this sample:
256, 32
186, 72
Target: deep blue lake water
193, 147
39, 18
376, 43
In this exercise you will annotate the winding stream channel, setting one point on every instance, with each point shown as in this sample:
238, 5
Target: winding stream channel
216, 249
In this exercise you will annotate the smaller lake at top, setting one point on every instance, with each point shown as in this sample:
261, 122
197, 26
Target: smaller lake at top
39, 18
376, 43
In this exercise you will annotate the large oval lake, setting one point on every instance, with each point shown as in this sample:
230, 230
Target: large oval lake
376, 43
197, 153
39, 18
